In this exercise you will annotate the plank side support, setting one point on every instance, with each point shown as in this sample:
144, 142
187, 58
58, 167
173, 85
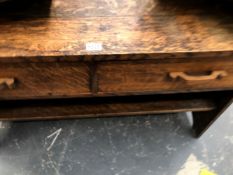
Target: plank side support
75, 109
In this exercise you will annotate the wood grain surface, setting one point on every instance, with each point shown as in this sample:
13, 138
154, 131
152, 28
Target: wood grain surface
45, 80
132, 77
113, 78
148, 28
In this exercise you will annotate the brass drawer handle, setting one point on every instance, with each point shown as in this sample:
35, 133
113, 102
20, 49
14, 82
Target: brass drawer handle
7, 82
213, 75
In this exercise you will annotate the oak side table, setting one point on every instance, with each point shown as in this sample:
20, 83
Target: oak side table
76, 58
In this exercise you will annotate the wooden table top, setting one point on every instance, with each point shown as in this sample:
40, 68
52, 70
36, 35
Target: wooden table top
153, 27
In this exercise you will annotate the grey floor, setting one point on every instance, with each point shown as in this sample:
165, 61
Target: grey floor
149, 145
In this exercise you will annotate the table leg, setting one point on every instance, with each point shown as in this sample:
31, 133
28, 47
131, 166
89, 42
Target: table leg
203, 120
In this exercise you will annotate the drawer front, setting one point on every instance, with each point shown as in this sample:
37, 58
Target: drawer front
162, 77
43, 80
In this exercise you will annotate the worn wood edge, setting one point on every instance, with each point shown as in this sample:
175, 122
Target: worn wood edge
31, 97
126, 114
94, 56
115, 94
119, 93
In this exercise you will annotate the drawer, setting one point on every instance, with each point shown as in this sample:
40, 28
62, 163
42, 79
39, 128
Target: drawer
164, 76
43, 80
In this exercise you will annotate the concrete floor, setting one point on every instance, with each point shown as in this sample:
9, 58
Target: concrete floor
147, 145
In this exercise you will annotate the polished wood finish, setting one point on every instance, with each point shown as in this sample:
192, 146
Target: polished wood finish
62, 50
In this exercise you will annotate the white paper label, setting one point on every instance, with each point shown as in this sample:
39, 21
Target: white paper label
94, 46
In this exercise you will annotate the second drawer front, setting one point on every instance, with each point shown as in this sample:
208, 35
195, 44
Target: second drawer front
43, 80
154, 76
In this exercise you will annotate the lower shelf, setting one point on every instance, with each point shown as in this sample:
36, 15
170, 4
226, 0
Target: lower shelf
101, 107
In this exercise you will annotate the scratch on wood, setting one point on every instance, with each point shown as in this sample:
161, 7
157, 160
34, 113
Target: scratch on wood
55, 134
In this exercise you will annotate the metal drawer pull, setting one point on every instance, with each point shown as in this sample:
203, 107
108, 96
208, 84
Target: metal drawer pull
213, 75
7, 82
